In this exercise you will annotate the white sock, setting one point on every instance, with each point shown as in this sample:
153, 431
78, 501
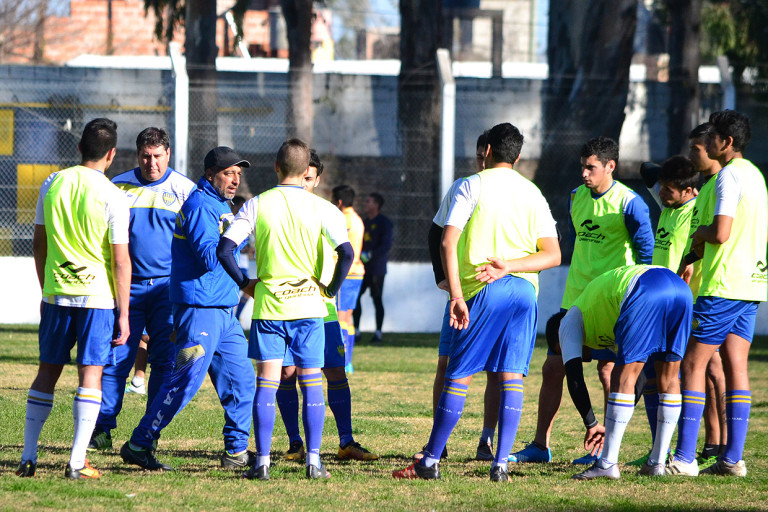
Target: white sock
85, 410
262, 460
39, 407
617, 415
137, 381
314, 459
666, 422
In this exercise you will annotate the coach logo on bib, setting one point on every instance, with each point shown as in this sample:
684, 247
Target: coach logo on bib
303, 288
588, 233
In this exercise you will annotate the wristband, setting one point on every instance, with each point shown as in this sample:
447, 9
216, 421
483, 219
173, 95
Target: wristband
589, 419
456, 298
691, 258
245, 282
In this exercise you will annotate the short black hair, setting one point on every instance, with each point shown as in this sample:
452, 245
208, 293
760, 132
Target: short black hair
482, 140
506, 142
604, 148
314, 161
152, 137
729, 123
99, 137
238, 201
701, 131
552, 332
378, 198
293, 157
679, 171
345, 193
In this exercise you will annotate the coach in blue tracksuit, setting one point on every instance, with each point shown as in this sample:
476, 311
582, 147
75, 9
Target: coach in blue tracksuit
155, 193
209, 337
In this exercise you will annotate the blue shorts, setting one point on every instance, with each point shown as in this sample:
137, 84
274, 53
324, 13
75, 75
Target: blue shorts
271, 339
334, 347
348, 293
714, 318
446, 333
655, 317
501, 331
596, 354
62, 326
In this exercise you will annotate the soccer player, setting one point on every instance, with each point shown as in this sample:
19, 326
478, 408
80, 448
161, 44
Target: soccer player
288, 224
80, 247
731, 238
339, 396
612, 229
209, 337
491, 398
155, 193
643, 313
493, 300
343, 197
377, 242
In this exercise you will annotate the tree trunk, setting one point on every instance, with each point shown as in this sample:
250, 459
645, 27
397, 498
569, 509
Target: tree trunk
298, 21
684, 59
200, 48
585, 93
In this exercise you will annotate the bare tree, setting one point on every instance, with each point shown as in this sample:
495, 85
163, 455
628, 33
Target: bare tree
298, 21
22, 28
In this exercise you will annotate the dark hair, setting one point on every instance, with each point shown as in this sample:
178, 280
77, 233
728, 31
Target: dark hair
238, 201
679, 171
604, 148
506, 142
314, 161
729, 123
378, 198
700, 132
152, 137
552, 332
345, 193
293, 157
482, 140
99, 137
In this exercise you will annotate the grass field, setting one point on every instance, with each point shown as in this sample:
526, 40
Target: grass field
391, 391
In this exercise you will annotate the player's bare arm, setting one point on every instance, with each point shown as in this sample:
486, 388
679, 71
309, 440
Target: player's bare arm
716, 233
121, 272
547, 256
40, 252
448, 253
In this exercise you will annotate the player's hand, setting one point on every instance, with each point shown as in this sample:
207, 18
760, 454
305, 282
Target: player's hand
685, 272
459, 313
249, 290
123, 330
594, 439
443, 285
495, 269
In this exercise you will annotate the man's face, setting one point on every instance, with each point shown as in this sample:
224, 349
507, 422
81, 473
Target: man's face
595, 175
697, 152
311, 179
671, 196
153, 162
715, 146
226, 181
370, 207
480, 158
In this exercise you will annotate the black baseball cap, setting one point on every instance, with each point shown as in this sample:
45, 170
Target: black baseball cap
223, 157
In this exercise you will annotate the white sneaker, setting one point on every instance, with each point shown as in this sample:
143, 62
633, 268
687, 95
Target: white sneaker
139, 390
595, 471
724, 468
679, 468
651, 469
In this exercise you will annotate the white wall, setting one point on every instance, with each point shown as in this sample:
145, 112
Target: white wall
412, 302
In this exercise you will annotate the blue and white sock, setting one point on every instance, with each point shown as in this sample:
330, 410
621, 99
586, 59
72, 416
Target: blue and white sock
738, 404
449, 409
313, 412
510, 411
669, 414
288, 402
651, 399
617, 415
39, 407
340, 402
85, 411
264, 418
688, 425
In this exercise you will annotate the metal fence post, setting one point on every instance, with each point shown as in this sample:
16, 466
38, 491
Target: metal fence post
180, 108
726, 83
447, 120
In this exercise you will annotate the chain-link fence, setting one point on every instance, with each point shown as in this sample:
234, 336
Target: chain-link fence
357, 131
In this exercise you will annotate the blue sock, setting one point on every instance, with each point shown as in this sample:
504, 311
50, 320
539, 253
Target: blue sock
651, 399
288, 402
313, 412
737, 406
688, 426
264, 416
349, 344
447, 415
340, 402
510, 411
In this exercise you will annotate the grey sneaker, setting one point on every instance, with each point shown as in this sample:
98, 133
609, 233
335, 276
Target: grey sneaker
317, 472
239, 461
484, 451
724, 468
676, 467
142, 458
595, 471
499, 474
651, 469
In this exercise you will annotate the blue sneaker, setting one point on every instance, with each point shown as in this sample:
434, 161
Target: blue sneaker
531, 453
587, 460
